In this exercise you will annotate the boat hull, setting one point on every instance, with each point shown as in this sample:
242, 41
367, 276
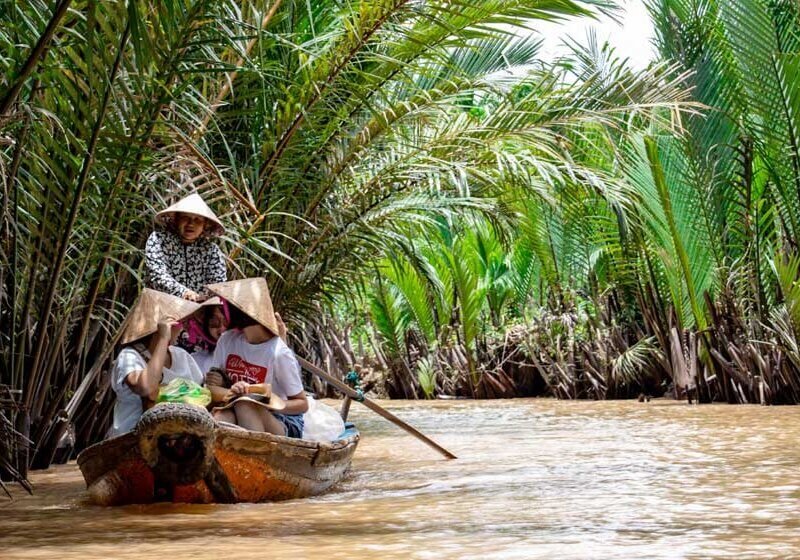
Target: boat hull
234, 466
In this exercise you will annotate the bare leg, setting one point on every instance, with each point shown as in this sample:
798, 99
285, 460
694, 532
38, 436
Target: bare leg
225, 416
258, 419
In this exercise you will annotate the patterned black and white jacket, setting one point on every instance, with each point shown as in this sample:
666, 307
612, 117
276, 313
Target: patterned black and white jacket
175, 267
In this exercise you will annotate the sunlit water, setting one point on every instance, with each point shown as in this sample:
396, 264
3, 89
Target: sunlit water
534, 479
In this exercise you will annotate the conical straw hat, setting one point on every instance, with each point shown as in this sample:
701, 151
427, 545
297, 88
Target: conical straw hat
251, 296
192, 204
211, 301
272, 402
216, 300
153, 307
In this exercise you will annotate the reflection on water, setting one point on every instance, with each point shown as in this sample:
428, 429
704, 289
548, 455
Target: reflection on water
535, 479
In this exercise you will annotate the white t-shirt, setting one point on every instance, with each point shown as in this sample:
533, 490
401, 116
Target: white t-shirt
128, 408
268, 362
203, 359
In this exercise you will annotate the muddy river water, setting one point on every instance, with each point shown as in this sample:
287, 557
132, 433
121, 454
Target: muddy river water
534, 479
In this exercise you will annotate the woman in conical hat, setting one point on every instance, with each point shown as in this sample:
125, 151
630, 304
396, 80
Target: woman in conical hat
254, 357
148, 358
181, 257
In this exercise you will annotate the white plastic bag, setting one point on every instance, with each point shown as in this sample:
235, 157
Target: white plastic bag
321, 422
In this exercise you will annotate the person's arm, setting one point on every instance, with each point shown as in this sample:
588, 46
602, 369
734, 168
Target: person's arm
145, 382
216, 384
287, 375
218, 394
213, 379
282, 330
216, 271
296, 404
158, 273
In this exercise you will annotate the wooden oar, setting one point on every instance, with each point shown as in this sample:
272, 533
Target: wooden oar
356, 396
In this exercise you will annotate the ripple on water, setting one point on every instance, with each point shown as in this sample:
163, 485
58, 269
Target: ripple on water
534, 479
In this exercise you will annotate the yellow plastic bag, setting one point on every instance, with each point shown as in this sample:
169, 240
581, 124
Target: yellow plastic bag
186, 391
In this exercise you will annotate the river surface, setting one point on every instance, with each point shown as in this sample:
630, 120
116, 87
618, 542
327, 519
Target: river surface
534, 479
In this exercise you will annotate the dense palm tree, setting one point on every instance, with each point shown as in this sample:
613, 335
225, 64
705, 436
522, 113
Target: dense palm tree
563, 233
684, 259
319, 130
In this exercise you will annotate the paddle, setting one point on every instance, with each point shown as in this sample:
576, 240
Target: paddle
356, 396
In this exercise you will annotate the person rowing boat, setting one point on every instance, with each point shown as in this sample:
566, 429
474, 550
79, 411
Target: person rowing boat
181, 257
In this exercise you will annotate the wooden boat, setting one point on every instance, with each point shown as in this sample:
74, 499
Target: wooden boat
178, 453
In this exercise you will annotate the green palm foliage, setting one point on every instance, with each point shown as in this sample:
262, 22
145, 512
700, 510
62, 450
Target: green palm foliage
391, 318
739, 158
787, 272
361, 129
319, 130
676, 231
415, 159
413, 290
665, 240
76, 196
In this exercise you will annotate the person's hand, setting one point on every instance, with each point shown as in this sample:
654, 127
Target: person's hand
238, 389
281, 326
214, 377
165, 330
191, 296
203, 296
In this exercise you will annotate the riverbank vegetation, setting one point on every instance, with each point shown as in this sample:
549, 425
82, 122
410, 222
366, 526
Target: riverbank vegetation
433, 205
678, 275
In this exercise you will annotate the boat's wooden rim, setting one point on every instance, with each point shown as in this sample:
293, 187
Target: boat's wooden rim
228, 435
231, 434
122, 443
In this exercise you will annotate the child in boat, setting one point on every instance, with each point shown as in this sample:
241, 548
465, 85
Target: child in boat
148, 358
181, 259
203, 330
251, 353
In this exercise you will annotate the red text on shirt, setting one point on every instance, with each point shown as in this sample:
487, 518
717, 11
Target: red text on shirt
239, 369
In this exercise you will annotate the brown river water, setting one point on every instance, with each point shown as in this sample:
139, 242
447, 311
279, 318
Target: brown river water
534, 479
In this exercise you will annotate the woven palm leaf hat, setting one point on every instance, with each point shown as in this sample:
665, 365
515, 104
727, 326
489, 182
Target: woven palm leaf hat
271, 402
151, 308
195, 205
251, 297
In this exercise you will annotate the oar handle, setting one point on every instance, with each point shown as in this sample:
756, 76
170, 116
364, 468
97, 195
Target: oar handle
356, 396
